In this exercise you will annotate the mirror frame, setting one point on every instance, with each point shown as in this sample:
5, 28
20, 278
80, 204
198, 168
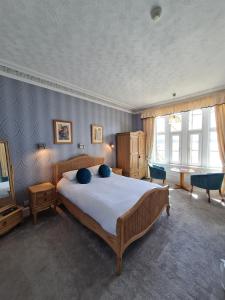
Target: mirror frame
10, 171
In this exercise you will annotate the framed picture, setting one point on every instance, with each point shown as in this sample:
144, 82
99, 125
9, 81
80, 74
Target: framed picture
62, 132
96, 134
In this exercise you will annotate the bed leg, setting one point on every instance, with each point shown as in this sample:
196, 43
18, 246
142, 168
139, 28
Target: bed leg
168, 210
118, 265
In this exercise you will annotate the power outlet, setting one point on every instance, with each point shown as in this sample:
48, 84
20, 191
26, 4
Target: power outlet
25, 203
26, 211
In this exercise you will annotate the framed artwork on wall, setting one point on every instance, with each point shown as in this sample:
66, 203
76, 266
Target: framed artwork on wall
96, 134
63, 132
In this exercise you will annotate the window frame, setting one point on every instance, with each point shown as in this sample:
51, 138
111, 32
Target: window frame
160, 133
176, 133
184, 142
199, 133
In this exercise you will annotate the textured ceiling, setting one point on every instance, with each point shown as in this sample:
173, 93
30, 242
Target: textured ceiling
113, 49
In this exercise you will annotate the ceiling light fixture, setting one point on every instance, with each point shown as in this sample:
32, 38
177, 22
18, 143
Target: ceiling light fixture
156, 12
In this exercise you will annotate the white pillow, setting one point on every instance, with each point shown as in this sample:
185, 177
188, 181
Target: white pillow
94, 169
71, 175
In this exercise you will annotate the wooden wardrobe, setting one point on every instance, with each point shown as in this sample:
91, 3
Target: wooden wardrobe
130, 150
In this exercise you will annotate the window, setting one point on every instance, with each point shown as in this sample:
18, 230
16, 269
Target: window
194, 158
175, 122
195, 119
195, 133
187, 138
175, 153
214, 157
160, 139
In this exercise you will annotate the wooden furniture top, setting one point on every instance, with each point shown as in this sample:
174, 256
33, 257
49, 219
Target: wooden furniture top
131, 133
182, 170
75, 163
118, 171
18, 208
41, 187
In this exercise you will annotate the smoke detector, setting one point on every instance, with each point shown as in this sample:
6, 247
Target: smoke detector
156, 12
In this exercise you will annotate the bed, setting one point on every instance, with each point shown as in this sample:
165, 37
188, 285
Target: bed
118, 209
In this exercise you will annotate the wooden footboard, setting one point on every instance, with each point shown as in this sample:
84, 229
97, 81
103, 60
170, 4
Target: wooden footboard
139, 219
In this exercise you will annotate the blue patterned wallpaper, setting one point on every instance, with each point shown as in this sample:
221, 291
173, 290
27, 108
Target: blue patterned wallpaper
137, 122
26, 114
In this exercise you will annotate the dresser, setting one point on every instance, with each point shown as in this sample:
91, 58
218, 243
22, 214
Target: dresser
10, 216
130, 153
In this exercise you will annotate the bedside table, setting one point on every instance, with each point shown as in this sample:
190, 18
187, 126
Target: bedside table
117, 171
42, 197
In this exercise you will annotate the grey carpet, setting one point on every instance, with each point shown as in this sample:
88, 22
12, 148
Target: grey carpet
60, 259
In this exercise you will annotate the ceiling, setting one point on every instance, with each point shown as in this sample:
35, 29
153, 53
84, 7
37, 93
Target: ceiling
114, 51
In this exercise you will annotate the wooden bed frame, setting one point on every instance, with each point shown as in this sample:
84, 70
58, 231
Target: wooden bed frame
130, 226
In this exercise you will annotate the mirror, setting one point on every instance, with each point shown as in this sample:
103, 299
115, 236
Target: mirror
7, 195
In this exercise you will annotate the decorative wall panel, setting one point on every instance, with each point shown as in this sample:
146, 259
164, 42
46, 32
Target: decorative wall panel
26, 114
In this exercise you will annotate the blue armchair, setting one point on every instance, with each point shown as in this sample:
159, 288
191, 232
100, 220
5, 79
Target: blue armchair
212, 181
4, 178
157, 172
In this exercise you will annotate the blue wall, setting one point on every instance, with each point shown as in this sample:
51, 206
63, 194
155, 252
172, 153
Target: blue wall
26, 114
137, 122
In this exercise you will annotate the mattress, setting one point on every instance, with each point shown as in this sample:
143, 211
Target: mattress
105, 199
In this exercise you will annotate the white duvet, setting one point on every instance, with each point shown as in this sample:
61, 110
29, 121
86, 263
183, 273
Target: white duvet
105, 199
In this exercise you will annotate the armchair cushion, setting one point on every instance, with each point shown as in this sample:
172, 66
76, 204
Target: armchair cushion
157, 172
199, 181
212, 181
215, 181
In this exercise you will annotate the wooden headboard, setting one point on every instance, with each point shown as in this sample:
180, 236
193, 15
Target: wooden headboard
75, 163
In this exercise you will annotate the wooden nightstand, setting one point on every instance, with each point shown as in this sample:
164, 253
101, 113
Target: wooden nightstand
117, 171
42, 197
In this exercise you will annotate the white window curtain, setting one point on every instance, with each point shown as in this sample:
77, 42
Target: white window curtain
220, 125
148, 126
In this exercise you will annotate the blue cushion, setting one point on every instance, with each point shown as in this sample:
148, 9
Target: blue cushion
104, 171
83, 176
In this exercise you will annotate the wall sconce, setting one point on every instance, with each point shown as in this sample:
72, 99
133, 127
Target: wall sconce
80, 146
112, 145
41, 146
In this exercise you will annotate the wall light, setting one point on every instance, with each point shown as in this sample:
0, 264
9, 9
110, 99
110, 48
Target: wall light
41, 146
112, 145
80, 146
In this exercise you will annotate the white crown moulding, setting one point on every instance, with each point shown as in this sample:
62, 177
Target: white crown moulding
188, 97
29, 76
